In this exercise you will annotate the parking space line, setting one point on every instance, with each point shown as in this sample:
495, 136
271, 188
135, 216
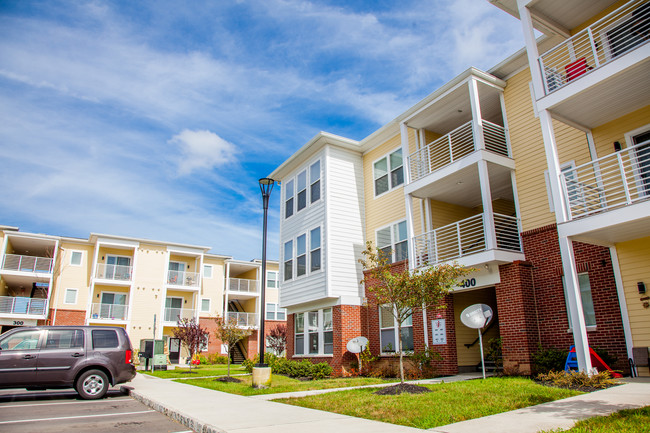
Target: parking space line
66, 402
75, 417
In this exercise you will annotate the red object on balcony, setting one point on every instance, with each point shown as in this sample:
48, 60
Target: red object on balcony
577, 68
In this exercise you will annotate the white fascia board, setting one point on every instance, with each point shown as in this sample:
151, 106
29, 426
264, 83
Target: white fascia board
323, 303
121, 243
117, 240
185, 250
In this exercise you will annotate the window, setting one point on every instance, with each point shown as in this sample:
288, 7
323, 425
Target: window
388, 172
300, 334
388, 331
642, 156
587, 300
22, 340
274, 312
312, 332
288, 199
571, 183
75, 258
316, 337
64, 339
70, 296
118, 268
301, 255
272, 279
270, 311
314, 182
302, 190
392, 241
104, 339
173, 309
328, 332
203, 347
314, 249
205, 305
207, 271
288, 260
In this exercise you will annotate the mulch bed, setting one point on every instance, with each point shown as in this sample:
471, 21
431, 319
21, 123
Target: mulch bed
189, 372
402, 388
228, 379
575, 388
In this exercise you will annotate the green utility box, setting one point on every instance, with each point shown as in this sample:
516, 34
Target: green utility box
152, 352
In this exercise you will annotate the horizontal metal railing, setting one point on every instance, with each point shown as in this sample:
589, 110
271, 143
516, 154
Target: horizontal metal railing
621, 31
465, 237
243, 285
174, 314
114, 272
15, 262
610, 182
109, 311
182, 278
242, 319
455, 145
21, 305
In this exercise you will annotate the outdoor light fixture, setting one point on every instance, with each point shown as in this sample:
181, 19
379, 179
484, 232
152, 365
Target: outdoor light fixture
617, 146
266, 185
641, 287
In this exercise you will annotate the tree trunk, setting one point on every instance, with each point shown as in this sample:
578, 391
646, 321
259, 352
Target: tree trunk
401, 353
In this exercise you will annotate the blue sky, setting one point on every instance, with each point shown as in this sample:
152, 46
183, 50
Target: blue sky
154, 119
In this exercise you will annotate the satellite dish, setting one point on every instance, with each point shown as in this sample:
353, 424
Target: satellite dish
476, 316
357, 344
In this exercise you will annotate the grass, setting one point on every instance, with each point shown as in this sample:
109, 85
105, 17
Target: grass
448, 403
625, 421
201, 370
282, 384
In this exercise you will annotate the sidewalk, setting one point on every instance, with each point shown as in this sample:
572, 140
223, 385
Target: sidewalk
208, 411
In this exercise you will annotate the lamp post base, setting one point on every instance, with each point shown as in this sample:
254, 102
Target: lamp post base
261, 376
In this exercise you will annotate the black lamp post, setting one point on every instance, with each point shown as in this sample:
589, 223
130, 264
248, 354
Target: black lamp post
266, 185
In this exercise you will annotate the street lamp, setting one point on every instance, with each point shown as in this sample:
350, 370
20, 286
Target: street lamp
266, 185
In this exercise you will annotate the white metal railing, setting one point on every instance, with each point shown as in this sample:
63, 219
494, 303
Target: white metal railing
114, 272
465, 237
174, 314
610, 182
182, 278
455, 145
21, 305
242, 319
243, 285
622, 30
109, 311
14, 262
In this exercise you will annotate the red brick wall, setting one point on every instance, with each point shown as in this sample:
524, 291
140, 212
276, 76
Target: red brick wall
68, 317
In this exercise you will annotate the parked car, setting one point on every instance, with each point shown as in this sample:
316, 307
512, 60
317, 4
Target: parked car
86, 358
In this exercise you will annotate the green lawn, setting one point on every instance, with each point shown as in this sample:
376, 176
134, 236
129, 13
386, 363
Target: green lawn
201, 370
448, 403
625, 421
282, 384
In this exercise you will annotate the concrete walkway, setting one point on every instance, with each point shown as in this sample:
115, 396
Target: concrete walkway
208, 411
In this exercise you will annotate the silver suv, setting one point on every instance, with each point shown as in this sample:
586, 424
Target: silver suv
86, 358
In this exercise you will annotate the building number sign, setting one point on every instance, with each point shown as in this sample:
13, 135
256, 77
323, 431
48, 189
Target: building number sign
439, 331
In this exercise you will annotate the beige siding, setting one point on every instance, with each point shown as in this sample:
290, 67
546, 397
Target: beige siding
634, 258
443, 214
68, 276
605, 135
465, 335
148, 291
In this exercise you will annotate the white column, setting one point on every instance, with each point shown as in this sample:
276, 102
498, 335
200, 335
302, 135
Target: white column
575, 304
553, 163
407, 197
477, 120
625, 318
531, 49
486, 198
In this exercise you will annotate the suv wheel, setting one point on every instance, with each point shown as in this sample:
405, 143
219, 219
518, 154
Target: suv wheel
92, 384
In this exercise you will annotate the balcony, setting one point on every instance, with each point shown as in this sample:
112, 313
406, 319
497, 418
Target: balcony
243, 285
23, 306
183, 279
454, 146
116, 273
172, 315
245, 320
109, 312
466, 242
13, 262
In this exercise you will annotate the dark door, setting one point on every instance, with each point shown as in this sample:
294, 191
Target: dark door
60, 353
643, 161
174, 350
18, 357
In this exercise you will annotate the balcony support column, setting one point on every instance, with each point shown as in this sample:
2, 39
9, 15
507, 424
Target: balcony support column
531, 48
572, 286
553, 163
488, 212
408, 198
477, 124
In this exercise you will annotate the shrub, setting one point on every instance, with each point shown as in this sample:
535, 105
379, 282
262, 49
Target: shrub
493, 352
546, 360
283, 366
215, 358
425, 361
578, 379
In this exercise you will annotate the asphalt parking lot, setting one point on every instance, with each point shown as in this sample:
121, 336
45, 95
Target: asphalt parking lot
62, 410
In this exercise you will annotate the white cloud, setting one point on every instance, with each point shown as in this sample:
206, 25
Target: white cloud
202, 150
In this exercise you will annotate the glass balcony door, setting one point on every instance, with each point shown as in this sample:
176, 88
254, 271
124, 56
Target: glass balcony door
113, 305
117, 267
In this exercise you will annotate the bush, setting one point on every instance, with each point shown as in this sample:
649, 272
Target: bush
578, 379
425, 362
283, 366
215, 358
546, 360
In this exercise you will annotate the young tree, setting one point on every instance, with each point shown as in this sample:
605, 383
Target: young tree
191, 334
277, 339
230, 333
407, 291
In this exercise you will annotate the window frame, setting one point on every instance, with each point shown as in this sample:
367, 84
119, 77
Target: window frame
289, 198
205, 274
276, 311
389, 173
639, 181
312, 250
395, 332
76, 296
275, 280
301, 191
81, 257
287, 261
318, 332
292, 201
209, 305
584, 312
301, 253
313, 182
391, 228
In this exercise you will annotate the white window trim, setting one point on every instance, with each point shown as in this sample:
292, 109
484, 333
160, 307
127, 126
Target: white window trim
566, 302
211, 271
72, 252
285, 198
275, 313
285, 259
209, 305
390, 187
306, 169
277, 279
320, 247
392, 241
310, 182
629, 142
321, 334
65, 296
294, 255
395, 336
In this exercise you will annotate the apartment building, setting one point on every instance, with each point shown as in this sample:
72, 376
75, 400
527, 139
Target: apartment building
141, 285
533, 173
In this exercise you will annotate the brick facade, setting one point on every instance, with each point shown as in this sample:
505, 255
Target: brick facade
68, 317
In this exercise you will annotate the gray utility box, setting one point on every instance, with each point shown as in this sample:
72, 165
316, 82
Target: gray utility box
152, 352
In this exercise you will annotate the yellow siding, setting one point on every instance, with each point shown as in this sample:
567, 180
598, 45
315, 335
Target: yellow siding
212, 288
504, 207
465, 335
596, 17
605, 135
634, 258
191, 261
443, 213
68, 276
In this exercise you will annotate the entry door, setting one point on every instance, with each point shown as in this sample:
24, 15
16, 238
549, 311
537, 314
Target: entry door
176, 273
19, 357
643, 162
173, 308
117, 267
113, 306
174, 350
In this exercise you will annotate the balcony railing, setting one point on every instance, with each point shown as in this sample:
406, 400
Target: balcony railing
243, 319
465, 237
20, 305
243, 285
173, 314
610, 182
454, 146
109, 311
13, 262
608, 38
114, 272
182, 278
